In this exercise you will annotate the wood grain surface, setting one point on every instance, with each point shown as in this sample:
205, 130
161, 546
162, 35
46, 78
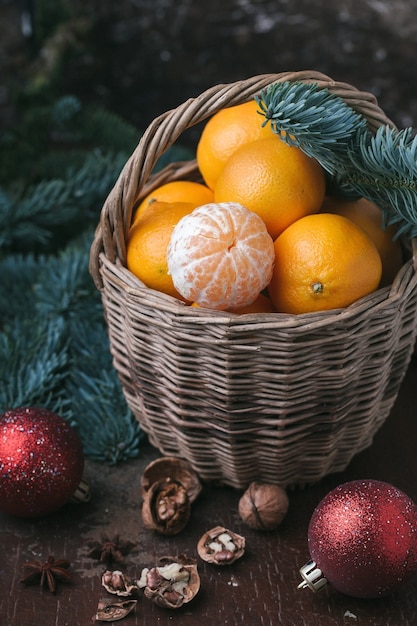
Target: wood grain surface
260, 589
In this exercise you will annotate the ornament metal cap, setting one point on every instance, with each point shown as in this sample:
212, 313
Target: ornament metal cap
82, 493
312, 577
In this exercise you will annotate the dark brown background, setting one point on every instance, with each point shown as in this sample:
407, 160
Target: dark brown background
140, 57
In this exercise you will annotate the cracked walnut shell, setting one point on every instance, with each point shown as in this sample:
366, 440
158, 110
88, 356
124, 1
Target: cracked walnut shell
221, 546
173, 583
118, 583
166, 507
171, 468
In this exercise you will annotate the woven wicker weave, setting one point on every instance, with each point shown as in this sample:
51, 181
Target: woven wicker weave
273, 397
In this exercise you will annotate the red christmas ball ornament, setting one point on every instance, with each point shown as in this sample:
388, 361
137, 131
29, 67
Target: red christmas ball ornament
362, 539
41, 462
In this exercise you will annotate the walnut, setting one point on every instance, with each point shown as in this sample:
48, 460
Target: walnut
171, 584
221, 546
263, 506
169, 486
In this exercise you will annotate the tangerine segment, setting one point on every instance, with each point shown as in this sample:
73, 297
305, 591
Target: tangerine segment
148, 242
277, 181
176, 191
220, 256
224, 133
322, 262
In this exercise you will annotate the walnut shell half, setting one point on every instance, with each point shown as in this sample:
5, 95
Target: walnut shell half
172, 468
166, 507
221, 546
110, 611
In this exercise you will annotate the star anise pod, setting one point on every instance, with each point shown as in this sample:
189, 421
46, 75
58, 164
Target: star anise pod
109, 550
47, 572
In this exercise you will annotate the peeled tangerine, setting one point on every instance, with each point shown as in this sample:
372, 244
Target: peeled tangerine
221, 256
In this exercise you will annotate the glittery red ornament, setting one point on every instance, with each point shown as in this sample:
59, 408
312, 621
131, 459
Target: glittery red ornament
41, 462
363, 539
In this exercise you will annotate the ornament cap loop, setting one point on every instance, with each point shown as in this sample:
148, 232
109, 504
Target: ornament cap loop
82, 493
312, 577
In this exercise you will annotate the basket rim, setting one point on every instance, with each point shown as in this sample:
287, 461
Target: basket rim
116, 214
378, 300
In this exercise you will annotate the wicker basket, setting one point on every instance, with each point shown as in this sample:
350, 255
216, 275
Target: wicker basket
273, 397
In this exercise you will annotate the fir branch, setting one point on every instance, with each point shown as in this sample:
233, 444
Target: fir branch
51, 137
31, 219
104, 128
64, 111
107, 426
23, 145
64, 287
54, 348
383, 168
65, 291
18, 225
90, 184
311, 118
35, 216
380, 167
33, 364
110, 432
55, 351
18, 276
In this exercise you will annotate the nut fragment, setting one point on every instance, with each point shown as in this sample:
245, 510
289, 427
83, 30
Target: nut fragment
172, 468
118, 583
166, 507
171, 584
263, 506
114, 611
221, 546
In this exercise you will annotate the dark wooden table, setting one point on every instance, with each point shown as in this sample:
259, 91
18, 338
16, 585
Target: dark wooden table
260, 589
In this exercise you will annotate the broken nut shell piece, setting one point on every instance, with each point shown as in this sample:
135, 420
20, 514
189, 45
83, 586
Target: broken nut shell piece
118, 583
173, 583
221, 546
114, 611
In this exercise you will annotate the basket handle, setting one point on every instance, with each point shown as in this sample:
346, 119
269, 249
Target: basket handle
115, 218
414, 252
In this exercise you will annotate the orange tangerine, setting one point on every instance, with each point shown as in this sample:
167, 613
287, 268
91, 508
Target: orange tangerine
368, 216
277, 181
224, 133
148, 242
322, 262
221, 256
177, 191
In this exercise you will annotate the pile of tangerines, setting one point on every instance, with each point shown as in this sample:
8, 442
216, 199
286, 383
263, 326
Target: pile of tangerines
260, 234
